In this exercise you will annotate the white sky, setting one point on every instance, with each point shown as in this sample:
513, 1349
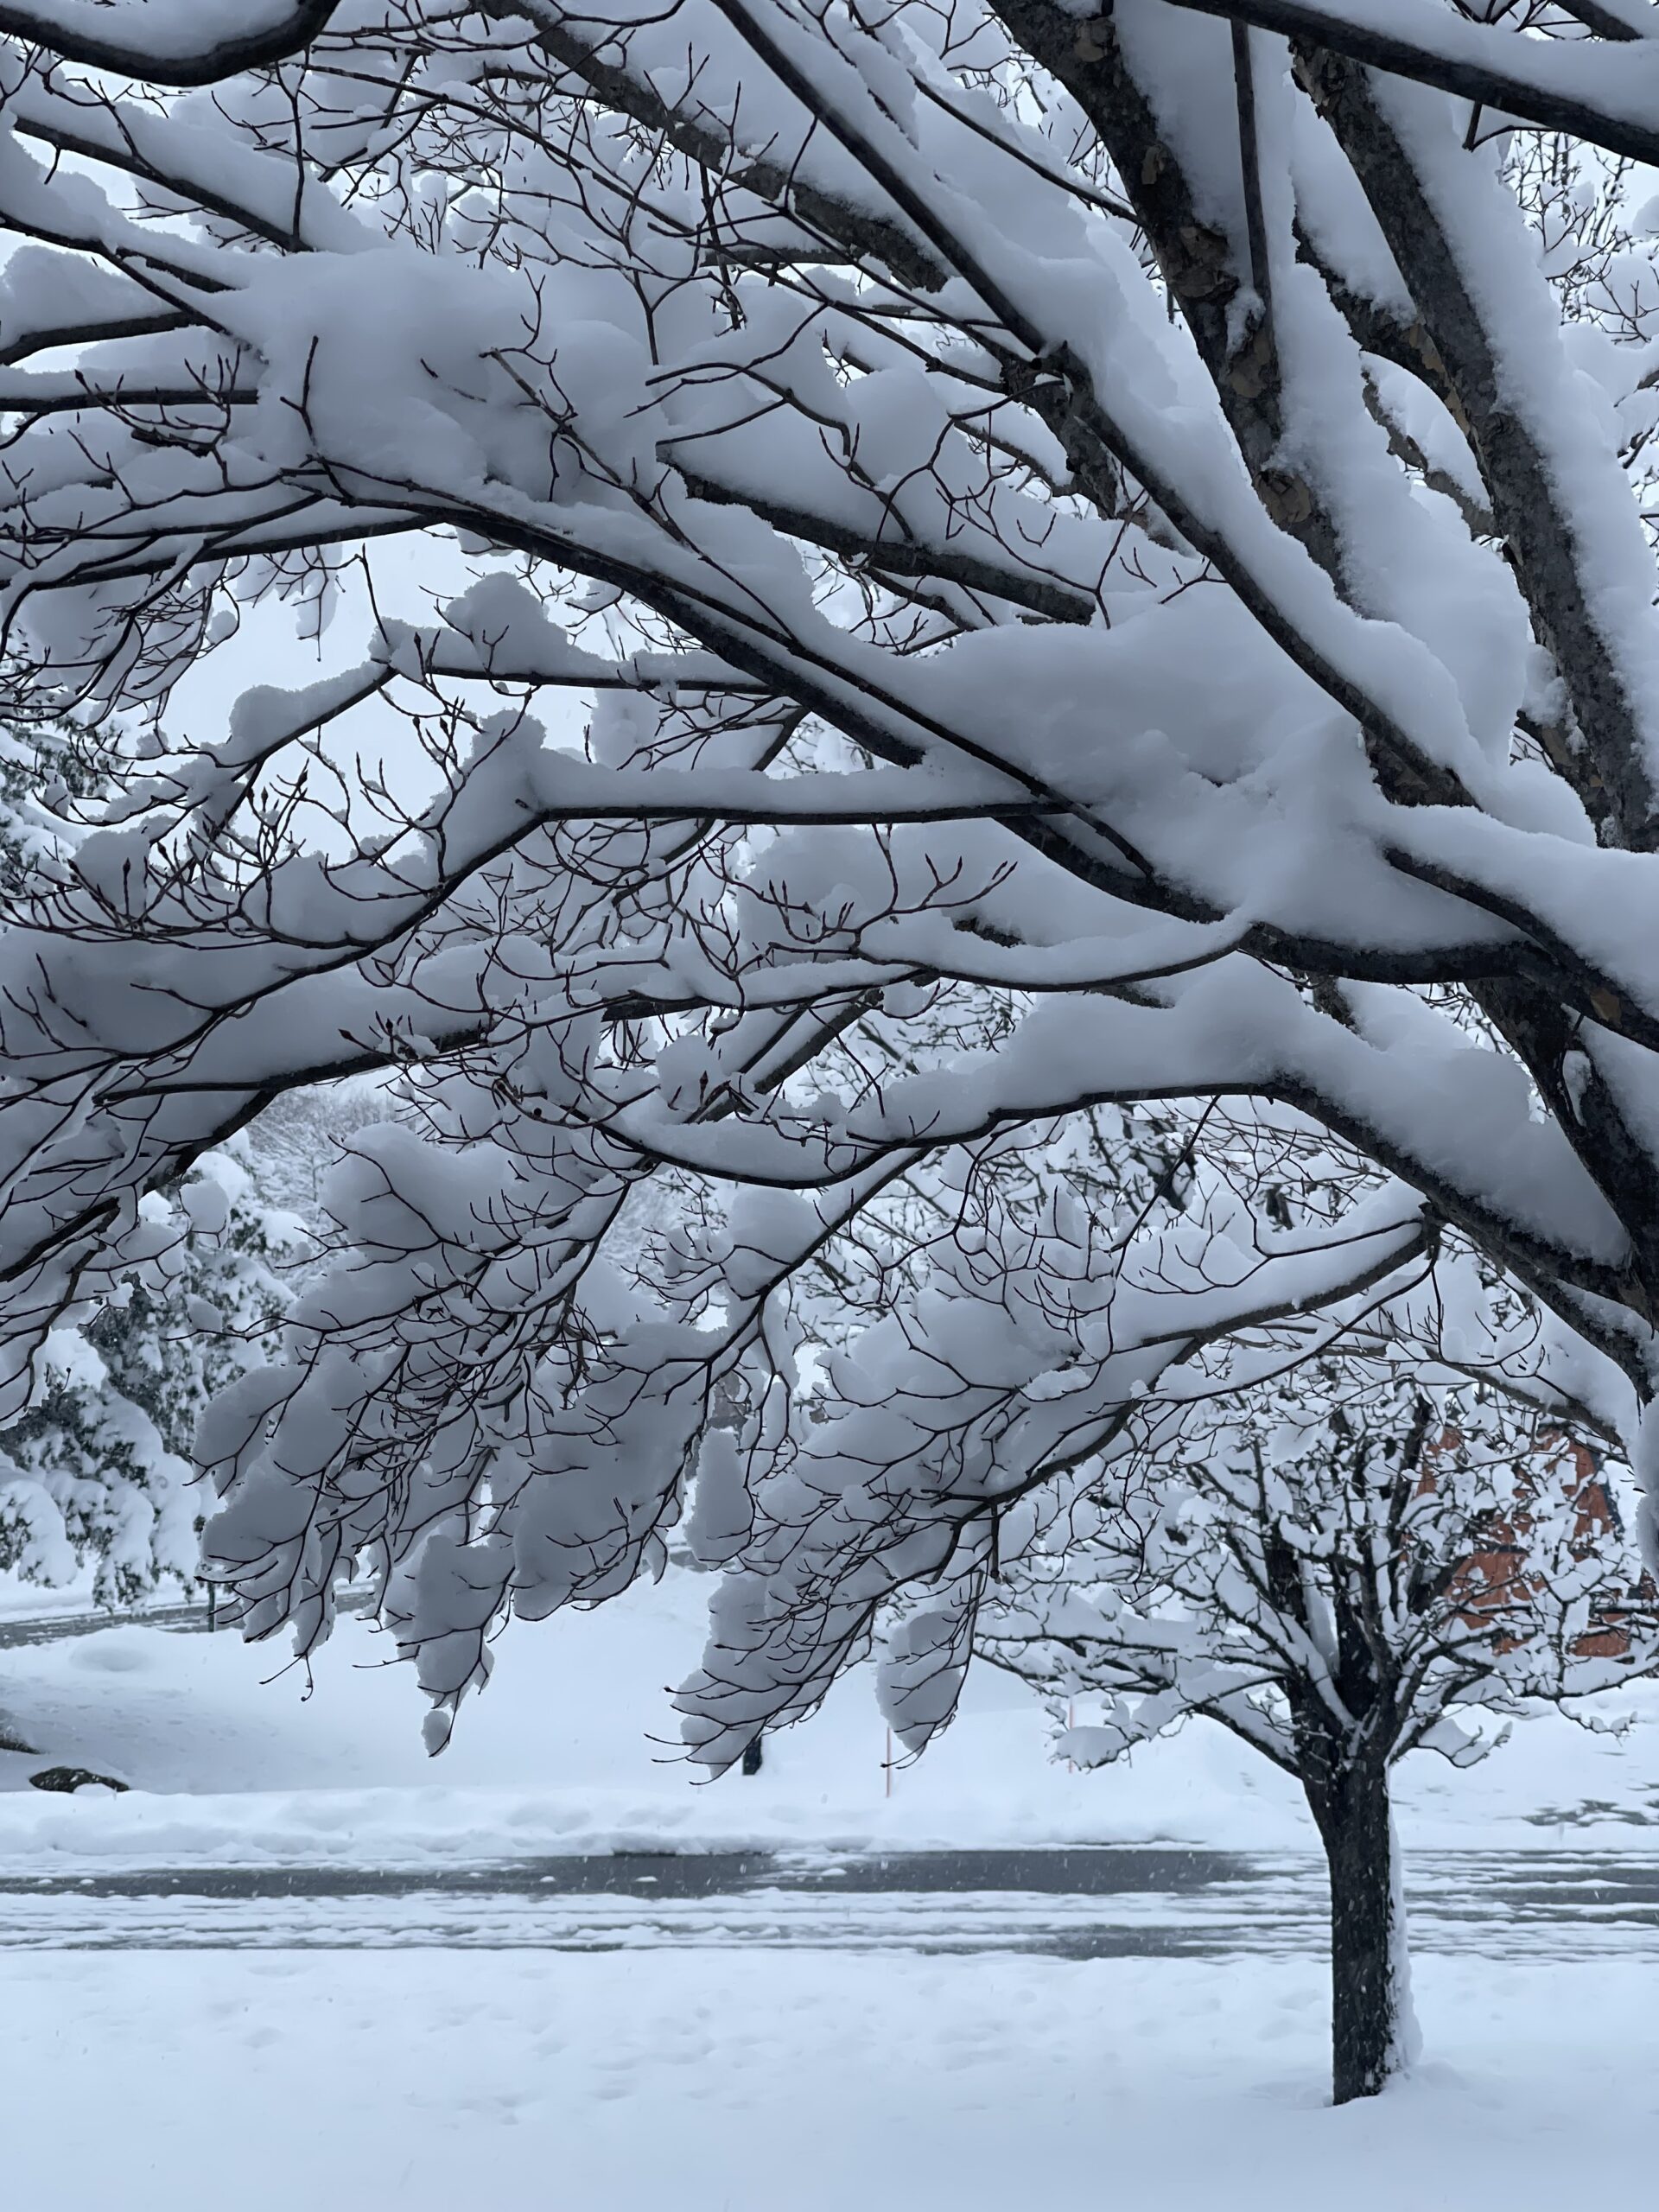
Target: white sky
412, 576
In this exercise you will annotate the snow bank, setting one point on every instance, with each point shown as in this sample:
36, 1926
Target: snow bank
233, 1757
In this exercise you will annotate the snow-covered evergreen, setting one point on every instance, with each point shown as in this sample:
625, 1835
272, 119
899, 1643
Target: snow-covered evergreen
96, 1470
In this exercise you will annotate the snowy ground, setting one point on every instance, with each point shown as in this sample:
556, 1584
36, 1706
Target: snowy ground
431, 2081
570, 1748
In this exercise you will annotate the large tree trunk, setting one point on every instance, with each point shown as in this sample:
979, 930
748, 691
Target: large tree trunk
1371, 2016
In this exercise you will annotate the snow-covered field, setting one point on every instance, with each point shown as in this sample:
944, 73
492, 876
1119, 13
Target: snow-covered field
665, 2082
570, 1748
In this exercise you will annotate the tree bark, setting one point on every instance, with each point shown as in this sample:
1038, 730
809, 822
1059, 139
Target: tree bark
1369, 2015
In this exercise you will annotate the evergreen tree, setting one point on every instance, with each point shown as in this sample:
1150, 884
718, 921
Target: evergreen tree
96, 1470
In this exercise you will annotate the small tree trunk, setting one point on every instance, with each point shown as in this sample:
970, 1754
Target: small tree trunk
1371, 2018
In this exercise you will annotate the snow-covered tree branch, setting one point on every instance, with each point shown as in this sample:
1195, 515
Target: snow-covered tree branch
1111, 558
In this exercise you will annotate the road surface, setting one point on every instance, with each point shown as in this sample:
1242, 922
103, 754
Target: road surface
195, 1615
1075, 1904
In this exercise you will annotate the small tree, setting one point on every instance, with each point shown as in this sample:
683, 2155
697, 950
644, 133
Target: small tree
1343, 1567
301, 1137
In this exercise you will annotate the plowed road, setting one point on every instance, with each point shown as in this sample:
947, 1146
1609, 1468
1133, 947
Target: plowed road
1069, 1903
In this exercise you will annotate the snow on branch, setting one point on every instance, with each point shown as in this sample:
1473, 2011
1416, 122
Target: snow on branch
174, 42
